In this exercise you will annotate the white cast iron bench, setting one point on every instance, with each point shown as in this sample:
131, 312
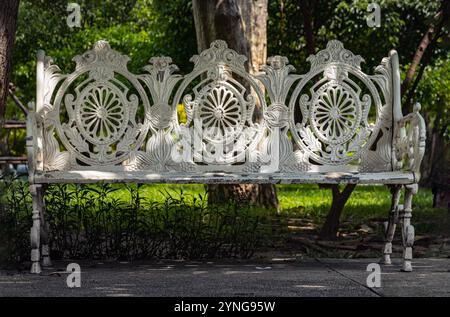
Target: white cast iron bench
333, 125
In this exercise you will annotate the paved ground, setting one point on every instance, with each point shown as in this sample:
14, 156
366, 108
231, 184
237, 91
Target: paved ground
278, 277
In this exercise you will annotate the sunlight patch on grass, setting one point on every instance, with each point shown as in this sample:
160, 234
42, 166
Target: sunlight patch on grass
308, 201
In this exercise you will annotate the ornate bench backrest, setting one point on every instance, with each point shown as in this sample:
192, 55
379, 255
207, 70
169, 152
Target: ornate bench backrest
327, 113
103, 117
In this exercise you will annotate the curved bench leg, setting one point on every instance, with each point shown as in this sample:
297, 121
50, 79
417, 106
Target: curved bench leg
392, 224
407, 228
35, 234
46, 261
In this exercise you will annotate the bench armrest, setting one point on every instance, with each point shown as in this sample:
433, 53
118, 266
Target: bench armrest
409, 141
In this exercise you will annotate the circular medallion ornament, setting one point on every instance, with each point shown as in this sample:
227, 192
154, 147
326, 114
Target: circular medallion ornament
335, 113
100, 113
221, 112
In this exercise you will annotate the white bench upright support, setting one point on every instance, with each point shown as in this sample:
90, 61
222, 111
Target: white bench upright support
104, 123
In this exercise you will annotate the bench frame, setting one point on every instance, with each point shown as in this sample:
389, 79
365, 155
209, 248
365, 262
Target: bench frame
102, 123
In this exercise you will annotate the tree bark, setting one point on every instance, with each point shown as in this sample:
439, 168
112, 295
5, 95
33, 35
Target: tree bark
308, 25
440, 170
242, 24
435, 167
428, 41
8, 24
331, 225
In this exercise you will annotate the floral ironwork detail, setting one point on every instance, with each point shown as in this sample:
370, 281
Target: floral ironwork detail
101, 115
335, 113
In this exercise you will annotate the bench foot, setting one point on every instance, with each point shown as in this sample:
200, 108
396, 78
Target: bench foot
386, 259
46, 261
407, 266
35, 268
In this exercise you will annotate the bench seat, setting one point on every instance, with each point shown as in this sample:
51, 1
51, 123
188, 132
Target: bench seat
95, 176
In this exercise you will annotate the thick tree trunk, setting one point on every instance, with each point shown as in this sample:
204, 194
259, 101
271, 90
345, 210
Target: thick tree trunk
242, 24
219, 19
8, 23
254, 18
331, 225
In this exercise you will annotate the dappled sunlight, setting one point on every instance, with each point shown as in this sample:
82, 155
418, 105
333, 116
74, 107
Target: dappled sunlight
167, 268
287, 259
311, 286
241, 272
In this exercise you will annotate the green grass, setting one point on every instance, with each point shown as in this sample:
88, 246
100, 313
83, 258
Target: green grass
306, 200
365, 203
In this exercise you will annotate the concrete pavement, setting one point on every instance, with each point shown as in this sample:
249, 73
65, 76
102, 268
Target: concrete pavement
275, 277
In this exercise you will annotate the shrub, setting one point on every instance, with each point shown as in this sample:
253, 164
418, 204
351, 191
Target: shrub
95, 221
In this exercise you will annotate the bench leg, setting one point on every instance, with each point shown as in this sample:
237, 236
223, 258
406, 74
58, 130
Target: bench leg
46, 261
392, 224
407, 228
35, 234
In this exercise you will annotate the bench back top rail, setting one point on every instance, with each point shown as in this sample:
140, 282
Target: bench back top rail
219, 117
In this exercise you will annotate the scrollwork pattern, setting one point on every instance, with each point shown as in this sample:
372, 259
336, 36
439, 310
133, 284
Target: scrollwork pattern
101, 115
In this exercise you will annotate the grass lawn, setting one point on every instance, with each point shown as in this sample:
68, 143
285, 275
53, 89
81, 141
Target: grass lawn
308, 201
304, 208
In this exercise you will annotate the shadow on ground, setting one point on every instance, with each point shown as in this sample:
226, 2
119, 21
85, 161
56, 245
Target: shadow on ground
278, 276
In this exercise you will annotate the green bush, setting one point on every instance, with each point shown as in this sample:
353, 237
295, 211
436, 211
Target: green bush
15, 221
93, 221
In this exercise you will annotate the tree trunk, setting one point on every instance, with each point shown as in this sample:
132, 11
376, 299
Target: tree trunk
435, 168
440, 171
331, 225
417, 57
242, 24
8, 23
429, 41
308, 25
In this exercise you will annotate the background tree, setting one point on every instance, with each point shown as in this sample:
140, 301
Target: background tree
8, 22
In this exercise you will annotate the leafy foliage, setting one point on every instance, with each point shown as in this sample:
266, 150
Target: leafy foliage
434, 94
145, 28
403, 24
139, 28
92, 222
